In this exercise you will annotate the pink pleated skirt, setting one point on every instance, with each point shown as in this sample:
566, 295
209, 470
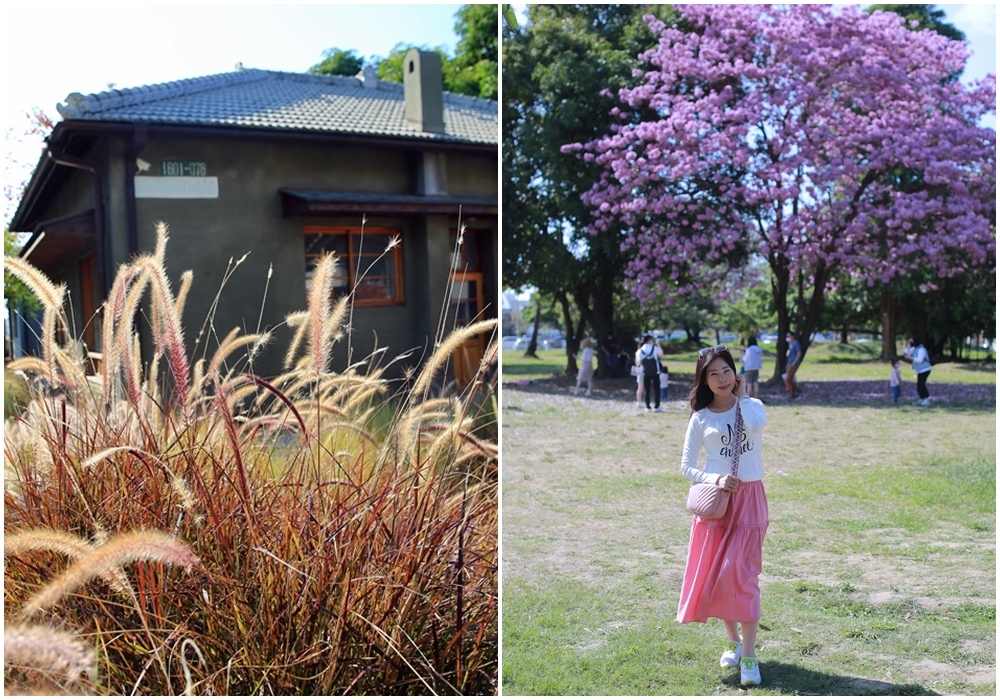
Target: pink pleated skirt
724, 561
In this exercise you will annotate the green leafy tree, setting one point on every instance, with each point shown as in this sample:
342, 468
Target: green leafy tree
556, 69
926, 17
475, 68
750, 313
339, 62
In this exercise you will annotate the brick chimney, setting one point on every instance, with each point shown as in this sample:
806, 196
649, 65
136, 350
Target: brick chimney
423, 90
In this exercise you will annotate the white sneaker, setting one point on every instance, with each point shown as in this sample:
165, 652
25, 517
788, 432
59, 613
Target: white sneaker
731, 656
749, 672
588, 393
925, 402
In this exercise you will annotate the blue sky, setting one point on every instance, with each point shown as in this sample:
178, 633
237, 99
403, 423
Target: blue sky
84, 47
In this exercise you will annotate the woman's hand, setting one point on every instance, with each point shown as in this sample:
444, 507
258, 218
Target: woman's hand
738, 388
727, 482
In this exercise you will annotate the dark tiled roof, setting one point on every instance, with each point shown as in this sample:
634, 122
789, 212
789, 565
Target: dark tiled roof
285, 101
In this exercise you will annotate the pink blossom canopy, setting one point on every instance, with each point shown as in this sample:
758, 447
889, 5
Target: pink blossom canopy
821, 140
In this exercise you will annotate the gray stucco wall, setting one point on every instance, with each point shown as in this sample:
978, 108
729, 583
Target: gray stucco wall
246, 218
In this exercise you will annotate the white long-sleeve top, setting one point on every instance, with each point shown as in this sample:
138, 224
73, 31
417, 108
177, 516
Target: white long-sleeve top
713, 434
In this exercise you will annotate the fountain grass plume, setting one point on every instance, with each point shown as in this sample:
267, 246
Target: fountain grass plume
232, 342
52, 297
50, 540
45, 649
187, 278
319, 312
144, 545
49, 294
114, 308
172, 333
298, 320
443, 353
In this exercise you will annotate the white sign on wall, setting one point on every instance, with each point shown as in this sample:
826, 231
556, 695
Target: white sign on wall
176, 187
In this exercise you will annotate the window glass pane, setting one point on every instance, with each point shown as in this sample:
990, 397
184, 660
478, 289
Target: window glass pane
381, 268
370, 288
357, 254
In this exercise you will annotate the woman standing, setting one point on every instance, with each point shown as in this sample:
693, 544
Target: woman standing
916, 353
724, 555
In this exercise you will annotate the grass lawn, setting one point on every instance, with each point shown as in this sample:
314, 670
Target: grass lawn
879, 564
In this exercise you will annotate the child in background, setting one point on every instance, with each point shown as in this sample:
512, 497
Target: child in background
896, 381
664, 376
586, 372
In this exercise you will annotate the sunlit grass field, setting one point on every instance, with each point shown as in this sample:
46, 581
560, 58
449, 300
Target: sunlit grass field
879, 570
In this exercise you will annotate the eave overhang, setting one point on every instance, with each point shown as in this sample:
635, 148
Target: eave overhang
307, 202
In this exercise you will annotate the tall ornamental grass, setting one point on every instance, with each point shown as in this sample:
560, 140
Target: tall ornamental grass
191, 527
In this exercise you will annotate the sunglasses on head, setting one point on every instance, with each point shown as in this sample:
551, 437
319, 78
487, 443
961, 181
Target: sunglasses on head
717, 348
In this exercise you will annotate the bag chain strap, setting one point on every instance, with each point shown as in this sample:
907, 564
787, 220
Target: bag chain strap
735, 466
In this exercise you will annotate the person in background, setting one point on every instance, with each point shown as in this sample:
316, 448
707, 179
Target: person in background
664, 378
752, 363
648, 357
896, 381
586, 372
917, 354
794, 360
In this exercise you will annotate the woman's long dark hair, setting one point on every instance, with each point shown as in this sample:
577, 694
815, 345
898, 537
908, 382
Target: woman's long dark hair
701, 395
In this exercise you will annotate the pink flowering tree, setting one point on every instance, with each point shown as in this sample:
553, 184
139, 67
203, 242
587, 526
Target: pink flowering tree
821, 143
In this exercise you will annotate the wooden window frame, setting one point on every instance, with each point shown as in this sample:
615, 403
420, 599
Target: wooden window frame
348, 267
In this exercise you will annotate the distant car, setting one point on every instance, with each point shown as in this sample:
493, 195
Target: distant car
556, 343
508, 342
768, 338
524, 340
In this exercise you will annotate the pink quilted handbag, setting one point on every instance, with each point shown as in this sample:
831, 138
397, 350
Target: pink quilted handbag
709, 501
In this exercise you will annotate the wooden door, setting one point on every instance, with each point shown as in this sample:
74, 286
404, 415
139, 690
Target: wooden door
465, 304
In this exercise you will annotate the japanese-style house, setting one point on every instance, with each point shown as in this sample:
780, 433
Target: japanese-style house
282, 167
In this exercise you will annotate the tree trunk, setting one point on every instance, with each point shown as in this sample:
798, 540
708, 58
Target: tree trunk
532, 349
888, 310
779, 290
602, 312
572, 344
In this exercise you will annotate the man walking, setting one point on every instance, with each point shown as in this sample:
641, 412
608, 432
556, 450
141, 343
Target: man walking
648, 357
